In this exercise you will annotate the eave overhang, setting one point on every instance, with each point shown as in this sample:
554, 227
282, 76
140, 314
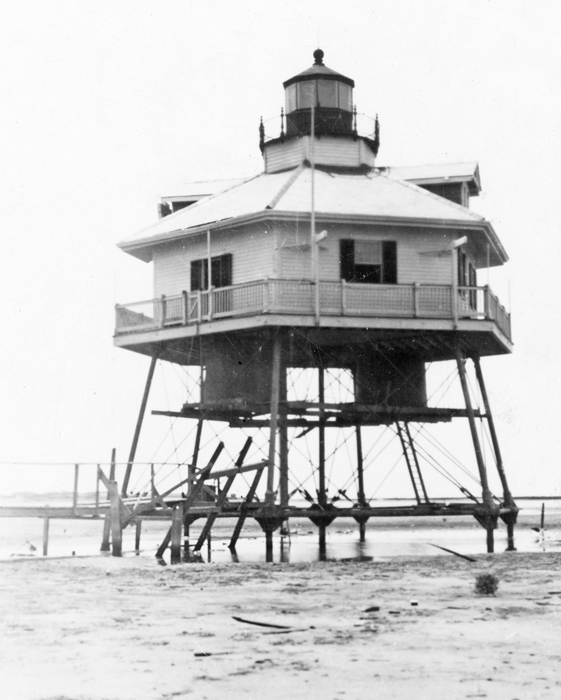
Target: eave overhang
482, 231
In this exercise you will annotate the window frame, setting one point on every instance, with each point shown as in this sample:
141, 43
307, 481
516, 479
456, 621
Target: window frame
220, 273
384, 272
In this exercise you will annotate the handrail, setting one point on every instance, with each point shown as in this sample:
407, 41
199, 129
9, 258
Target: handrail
290, 296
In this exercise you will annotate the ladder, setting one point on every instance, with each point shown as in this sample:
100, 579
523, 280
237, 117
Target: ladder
410, 455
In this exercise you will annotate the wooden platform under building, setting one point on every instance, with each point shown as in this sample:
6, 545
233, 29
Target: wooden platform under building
302, 414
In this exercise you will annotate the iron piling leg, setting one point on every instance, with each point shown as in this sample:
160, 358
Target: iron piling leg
510, 536
486, 492
139, 424
360, 478
490, 538
138, 531
322, 494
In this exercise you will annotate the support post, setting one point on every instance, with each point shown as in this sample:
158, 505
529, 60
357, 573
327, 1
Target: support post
140, 418
197, 488
490, 538
486, 493
105, 542
97, 491
191, 472
509, 501
360, 478
275, 393
46, 523
176, 533
75, 492
322, 495
454, 289
222, 496
243, 509
510, 518
116, 527
165, 543
112, 467
138, 531
283, 442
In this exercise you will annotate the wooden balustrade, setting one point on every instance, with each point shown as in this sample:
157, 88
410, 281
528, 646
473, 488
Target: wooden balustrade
297, 297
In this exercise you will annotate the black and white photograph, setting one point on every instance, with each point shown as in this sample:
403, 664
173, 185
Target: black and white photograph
280, 363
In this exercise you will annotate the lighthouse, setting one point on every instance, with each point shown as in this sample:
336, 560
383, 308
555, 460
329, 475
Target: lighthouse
325, 267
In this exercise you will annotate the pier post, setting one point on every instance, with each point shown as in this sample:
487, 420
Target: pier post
46, 523
116, 525
176, 533
75, 492
137, 534
105, 546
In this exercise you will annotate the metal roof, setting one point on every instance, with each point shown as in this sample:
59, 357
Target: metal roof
374, 194
197, 190
372, 197
319, 70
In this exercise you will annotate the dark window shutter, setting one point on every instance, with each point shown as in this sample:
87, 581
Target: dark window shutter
389, 257
227, 279
347, 250
196, 275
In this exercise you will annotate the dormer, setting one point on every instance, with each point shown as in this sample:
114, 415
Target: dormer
456, 182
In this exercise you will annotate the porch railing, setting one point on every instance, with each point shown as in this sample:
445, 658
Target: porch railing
297, 297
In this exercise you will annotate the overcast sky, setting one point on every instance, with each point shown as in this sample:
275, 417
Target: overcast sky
107, 104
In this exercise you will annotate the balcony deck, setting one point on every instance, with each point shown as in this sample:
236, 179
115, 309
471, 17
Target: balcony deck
273, 302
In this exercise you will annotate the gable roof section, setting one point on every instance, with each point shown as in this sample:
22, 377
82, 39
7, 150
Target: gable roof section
439, 174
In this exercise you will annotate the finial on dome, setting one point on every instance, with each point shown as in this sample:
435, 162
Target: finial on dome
318, 56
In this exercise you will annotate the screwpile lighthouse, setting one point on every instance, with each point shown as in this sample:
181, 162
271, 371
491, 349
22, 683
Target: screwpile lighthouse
324, 269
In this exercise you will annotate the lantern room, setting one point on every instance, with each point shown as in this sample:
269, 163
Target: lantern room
325, 92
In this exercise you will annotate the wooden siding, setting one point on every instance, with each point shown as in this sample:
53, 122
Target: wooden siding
252, 252
337, 152
414, 265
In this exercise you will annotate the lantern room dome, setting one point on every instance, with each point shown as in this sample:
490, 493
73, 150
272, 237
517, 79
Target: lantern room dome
319, 70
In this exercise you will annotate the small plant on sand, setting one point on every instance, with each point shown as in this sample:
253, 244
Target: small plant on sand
486, 584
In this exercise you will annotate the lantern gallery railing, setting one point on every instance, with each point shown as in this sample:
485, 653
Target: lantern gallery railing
298, 297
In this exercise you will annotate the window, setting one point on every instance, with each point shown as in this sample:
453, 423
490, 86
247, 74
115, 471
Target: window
327, 93
323, 93
369, 262
220, 272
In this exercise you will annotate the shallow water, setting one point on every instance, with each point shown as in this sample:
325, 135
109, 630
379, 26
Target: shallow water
385, 537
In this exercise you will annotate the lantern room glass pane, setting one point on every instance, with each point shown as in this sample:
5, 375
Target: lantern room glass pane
291, 98
306, 93
345, 97
327, 93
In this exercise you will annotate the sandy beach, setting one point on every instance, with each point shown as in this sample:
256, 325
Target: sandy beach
100, 628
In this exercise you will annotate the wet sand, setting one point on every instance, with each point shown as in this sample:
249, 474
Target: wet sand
113, 629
